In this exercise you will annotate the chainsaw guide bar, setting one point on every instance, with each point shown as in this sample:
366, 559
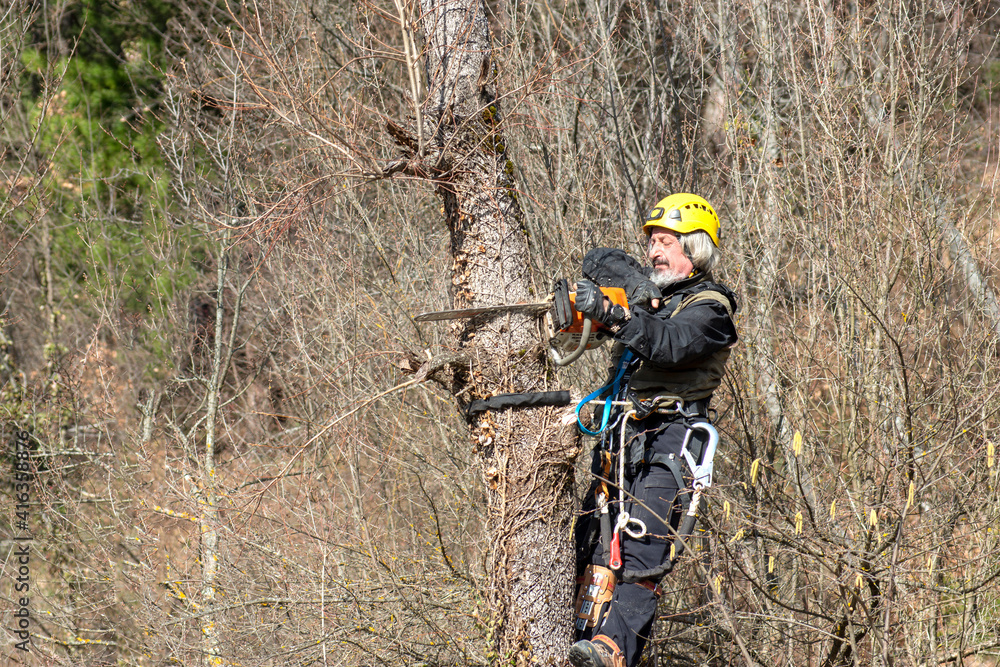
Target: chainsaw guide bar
464, 313
566, 330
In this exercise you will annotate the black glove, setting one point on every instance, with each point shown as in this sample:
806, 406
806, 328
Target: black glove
591, 302
610, 267
642, 293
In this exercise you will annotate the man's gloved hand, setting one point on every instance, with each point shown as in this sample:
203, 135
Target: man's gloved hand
590, 301
643, 293
611, 267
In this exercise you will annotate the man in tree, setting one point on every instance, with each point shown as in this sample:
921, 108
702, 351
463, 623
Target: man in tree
674, 341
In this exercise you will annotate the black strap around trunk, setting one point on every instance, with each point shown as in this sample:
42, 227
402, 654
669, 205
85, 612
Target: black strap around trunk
524, 400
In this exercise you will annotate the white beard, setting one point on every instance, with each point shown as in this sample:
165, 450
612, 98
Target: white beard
664, 279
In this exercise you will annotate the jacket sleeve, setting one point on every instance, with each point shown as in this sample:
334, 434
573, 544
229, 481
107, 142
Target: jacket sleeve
693, 333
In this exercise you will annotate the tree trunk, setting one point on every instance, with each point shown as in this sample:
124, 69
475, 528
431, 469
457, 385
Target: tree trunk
526, 454
208, 494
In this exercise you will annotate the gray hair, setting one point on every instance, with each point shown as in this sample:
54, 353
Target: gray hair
698, 247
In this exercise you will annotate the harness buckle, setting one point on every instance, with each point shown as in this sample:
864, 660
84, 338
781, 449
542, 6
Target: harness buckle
663, 405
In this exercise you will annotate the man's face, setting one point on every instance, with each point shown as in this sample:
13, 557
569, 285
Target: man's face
670, 264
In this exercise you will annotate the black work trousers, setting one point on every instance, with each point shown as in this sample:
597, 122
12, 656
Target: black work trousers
653, 495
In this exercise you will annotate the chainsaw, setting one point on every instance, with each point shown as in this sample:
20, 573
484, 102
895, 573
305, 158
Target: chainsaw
567, 331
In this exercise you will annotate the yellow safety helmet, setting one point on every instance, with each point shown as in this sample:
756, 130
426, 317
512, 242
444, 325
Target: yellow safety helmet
684, 213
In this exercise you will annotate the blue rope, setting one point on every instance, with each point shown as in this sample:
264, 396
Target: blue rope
612, 390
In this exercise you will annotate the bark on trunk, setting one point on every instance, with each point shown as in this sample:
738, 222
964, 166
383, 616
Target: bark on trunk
526, 455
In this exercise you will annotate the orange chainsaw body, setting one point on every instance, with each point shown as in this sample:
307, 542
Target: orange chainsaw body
614, 294
564, 324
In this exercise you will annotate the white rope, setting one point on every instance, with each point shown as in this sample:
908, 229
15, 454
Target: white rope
623, 517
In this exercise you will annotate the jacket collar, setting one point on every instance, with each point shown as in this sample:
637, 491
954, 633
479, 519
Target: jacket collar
690, 281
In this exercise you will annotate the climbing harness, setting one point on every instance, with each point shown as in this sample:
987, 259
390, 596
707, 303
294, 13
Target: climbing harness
700, 467
618, 407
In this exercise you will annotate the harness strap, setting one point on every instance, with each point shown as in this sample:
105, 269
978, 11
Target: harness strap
685, 532
672, 304
672, 463
651, 585
606, 534
669, 405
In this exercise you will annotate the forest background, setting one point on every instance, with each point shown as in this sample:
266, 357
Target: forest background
216, 233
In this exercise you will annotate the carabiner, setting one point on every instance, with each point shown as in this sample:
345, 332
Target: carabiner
702, 470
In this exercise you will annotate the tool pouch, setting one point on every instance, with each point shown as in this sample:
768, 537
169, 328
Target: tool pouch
594, 596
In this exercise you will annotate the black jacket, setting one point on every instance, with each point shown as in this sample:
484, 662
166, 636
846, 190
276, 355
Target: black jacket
683, 335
